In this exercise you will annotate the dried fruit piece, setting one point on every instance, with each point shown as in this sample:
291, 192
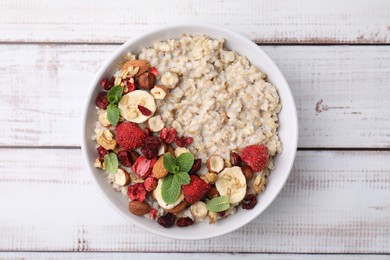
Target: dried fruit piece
153, 214
249, 201
256, 156
154, 71
107, 84
149, 153
184, 222
215, 163
137, 192
129, 136
196, 166
124, 158
150, 183
194, 191
143, 167
144, 110
139, 208
101, 152
166, 220
235, 159
168, 135
101, 100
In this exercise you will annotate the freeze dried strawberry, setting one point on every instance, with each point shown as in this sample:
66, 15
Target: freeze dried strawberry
129, 136
101, 100
101, 153
150, 183
256, 156
194, 191
168, 135
136, 192
143, 167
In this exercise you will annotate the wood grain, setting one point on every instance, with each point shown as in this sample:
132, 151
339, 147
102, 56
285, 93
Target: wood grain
333, 202
341, 92
300, 21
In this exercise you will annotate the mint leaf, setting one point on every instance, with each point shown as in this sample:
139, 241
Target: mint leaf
114, 94
170, 189
113, 114
111, 162
182, 177
185, 162
218, 204
169, 163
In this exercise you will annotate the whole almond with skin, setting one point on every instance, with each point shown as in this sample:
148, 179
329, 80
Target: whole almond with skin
170, 150
179, 208
139, 208
247, 171
159, 170
143, 66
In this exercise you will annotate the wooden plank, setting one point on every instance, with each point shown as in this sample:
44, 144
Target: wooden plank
341, 92
301, 21
333, 202
179, 256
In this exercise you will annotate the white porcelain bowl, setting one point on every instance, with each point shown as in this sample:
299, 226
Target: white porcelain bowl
288, 131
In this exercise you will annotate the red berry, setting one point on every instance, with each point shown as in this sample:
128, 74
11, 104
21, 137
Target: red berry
150, 183
154, 71
136, 192
107, 84
249, 202
124, 158
166, 220
101, 100
101, 152
152, 142
143, 167
179, 141
149, 153
184, 222
153, 213
195, 190
256, 156
196, 166
168, 135
144, 110
129, 136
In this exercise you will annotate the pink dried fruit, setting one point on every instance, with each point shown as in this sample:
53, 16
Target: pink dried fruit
196, 166
152, 142
249, 202
150, 183
124, 158
153, 213
184, 222
168, 136
144, 110
166, 220
130, 86
235, 159
137, 192
154, 71
107, 84
101, 153
101, 100
149, 153
143, 167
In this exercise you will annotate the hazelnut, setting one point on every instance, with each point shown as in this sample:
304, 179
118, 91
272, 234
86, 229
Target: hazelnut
179, 208
106, 140
146, 80
156, 124
212, 193
159, 92
247, 171
215, 163
259, 184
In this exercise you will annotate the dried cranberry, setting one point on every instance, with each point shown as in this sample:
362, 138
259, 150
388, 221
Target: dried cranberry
150, 183
196, 166
188, 140
148, 131
179, 141
107, 84
166, 220
154, 71
152, 142
101, 100
168, 136
153, 213
235, 159
144, 110
124, 158
249, 202
137, 192
149, 153
184, 222
222, 214
101, 152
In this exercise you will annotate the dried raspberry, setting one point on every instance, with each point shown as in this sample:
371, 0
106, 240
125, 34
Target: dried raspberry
153, 214
249, 202
235, 159
196, 166
184, 222
256, 156
125, 158
168, 136
129, 136
152, 142
143, 167
101, 100
188, 140
137, 192
101, 153
107, 84
166, 220
149, 153
194, 191
148, 131
179, 141
130, 87
144, 110
150, 183
154, 71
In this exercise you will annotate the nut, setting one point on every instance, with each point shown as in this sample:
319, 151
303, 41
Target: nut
247, 171
199, 210
139, 208
212, 217
215, 163
159, 170
210, 177
169, 79
106, 141
136, 178
170, 150
103, 120
181, 150
133, 156
143, 66
156, 124
146, 80
122, 177
212, 193
98, 163
259, 184
162, 149
159, 92
179, 208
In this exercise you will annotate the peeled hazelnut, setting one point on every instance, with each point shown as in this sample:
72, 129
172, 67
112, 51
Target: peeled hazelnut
122, 177
180, 150
106, 141
139, 208
135, 178
156, 124
179, 208
212, 217
146, 80
212, 193
215, 163
103, 120
259, 184
169, 79
199, 210
247, 171
159, 92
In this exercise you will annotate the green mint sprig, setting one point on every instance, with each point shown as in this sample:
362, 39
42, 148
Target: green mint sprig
113, 96
111, 162
178, 169
218, 204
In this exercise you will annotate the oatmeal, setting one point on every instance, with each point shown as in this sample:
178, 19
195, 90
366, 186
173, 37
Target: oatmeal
188, 131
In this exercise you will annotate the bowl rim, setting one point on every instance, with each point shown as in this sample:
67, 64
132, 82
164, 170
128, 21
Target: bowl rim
98, 75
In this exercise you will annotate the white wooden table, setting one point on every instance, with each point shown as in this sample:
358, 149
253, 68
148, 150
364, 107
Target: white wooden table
335, 55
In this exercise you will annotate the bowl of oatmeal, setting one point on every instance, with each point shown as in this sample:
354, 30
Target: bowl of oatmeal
190, 131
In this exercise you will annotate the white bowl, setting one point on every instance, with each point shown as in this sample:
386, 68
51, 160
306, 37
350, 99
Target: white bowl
288, 131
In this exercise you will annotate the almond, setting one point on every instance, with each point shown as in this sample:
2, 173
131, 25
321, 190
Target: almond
215, 163
180, 207
139, 208
159, 170
143, 66
122, 177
